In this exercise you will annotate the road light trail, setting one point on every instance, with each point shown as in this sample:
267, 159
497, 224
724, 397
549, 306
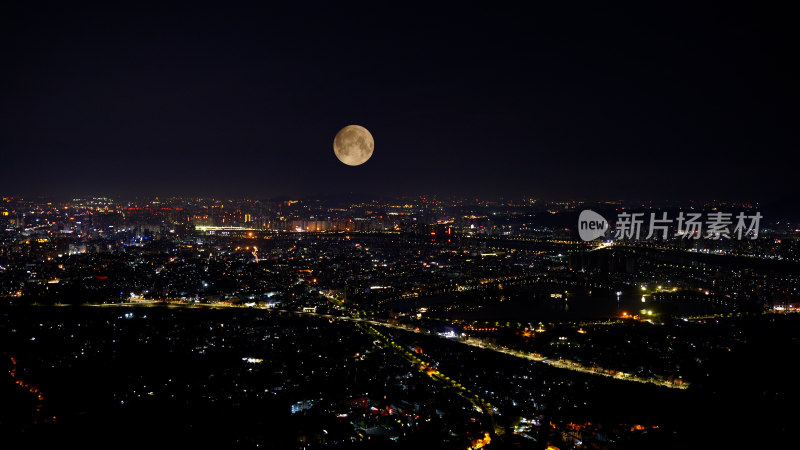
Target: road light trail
674, 383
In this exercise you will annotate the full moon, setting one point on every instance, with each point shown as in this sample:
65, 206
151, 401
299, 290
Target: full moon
353, 145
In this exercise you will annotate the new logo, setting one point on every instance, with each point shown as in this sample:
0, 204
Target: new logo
591, 225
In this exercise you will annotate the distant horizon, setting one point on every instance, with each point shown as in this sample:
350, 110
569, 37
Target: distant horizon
366, 196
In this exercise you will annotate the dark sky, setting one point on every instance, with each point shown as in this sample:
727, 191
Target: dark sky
579, 101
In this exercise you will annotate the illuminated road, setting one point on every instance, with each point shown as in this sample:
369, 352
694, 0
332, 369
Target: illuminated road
424, 366
676, 383
560, 364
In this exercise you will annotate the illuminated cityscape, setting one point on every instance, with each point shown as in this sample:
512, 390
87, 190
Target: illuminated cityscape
392, 322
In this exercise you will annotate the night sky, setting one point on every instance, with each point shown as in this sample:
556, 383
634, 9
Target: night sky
580, 102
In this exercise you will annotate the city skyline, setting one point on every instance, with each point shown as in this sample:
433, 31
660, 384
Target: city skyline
468, 324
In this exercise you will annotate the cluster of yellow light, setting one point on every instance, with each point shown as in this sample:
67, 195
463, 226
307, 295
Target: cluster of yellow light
481, 442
